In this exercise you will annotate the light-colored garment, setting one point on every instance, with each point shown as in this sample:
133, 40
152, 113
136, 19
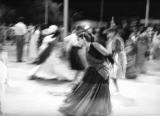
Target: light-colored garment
49, 30
142, 47
4, 57
20, 28
119, 67
3, 75
120, 59
155, 48
54, 67
45, 42
3, 82
71, 40
33, 51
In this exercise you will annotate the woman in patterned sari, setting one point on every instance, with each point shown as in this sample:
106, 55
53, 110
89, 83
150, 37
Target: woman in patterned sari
91, 96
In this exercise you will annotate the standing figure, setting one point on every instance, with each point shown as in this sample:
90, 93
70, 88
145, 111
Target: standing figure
116, 45
131, 51
91, 96
155, 49
142, 48
20, 31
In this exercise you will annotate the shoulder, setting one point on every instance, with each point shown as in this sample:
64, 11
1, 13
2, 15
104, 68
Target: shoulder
70, 37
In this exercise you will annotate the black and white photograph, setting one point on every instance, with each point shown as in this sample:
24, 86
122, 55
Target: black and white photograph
79, 58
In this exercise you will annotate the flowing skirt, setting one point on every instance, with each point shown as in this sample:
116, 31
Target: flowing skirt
53, 68
91, 97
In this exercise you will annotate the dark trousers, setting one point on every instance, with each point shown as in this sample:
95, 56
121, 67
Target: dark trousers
20, 46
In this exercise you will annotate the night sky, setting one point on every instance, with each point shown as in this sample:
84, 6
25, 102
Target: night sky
91, 8
117, 8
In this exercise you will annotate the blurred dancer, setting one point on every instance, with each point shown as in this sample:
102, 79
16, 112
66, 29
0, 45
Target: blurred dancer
91, 96
33, 51
43, 29
50, 64
50, 34
131, 51
20, 30
155, 49
142, 48
116, 45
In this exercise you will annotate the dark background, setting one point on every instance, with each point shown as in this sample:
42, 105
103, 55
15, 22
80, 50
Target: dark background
117, 8
90, 9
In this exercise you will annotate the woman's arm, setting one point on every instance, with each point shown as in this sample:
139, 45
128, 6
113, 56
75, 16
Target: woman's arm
101, 49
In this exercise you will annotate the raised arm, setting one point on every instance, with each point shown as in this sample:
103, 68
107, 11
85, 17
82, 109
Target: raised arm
101, 49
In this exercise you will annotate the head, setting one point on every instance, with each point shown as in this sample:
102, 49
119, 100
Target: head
86, 37
78, 29
111, 32
101, 36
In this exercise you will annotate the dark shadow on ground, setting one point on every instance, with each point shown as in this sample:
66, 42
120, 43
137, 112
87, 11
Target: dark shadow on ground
50, 81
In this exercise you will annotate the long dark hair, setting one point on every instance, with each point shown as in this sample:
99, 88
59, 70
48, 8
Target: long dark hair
102, 38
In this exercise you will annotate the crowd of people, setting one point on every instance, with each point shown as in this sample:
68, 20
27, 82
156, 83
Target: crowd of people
88, 58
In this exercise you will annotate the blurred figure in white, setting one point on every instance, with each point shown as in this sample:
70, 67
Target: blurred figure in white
48, 33
20, 30
29, 33
33, 51
116, 45
50, 62
155, 50
143, 45
3, 77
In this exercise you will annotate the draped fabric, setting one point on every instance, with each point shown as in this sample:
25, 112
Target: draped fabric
90, 97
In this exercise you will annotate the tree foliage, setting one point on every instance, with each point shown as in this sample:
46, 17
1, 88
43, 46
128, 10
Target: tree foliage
33, 11
7, 15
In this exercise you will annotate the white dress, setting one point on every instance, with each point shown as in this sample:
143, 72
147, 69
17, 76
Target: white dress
3, 77
54, 67
33, 52
119, 68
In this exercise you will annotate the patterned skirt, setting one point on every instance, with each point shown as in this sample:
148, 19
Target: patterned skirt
89, 97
